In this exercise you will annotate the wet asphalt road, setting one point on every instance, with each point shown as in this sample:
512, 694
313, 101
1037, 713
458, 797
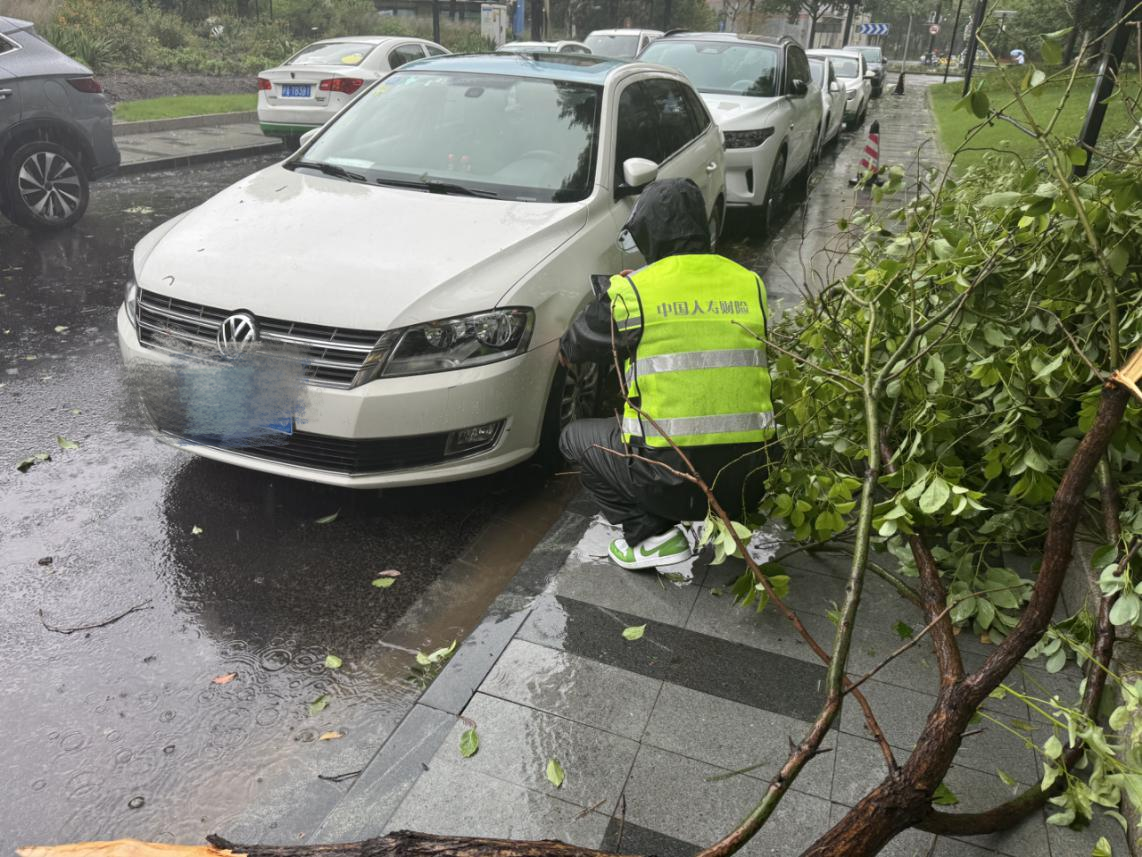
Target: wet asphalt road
121, 730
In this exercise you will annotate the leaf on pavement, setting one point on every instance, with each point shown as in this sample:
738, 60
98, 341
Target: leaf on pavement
944, 796
469, 743
634, 632
555, 774
328, 519
333, 662
903, 630
75, 412
30, 462
61, 328
384, 582
391, 572
224, 679
318, 704
196, 530
330, 736
64, 443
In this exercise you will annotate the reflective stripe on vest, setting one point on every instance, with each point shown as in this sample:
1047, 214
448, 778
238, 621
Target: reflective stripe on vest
685, 426
726, 358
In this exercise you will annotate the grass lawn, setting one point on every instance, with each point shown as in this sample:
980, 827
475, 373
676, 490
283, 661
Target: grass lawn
183, 105
954, 125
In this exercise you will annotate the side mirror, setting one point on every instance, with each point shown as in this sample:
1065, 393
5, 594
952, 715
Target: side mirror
309, 135
834, 86
800, 88
870, 75
637, 174
626, 242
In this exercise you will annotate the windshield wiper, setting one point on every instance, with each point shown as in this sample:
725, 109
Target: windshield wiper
438, 186
328, 169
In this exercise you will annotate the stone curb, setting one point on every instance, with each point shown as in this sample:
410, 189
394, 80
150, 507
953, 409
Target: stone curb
150, 126
173, 162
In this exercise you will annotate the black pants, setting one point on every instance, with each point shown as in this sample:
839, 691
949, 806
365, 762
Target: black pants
644, 498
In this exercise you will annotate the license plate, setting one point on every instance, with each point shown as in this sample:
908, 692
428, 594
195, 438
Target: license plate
296, 90
284, 425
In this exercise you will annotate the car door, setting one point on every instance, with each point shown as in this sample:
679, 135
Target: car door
805, 114
9, 90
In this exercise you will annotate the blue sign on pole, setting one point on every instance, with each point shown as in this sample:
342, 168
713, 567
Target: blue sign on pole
872, 29
517, 24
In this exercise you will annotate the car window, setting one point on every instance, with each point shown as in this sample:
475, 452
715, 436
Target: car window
697, 108
638, 132
845, 67
607, 45
6, 45
520, 138
817, 69
332, 53
724, 68
677, 122
434, 51
405, 53
796, 68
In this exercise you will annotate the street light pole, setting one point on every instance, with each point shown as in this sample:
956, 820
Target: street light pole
973, 43
849, 22
952, 46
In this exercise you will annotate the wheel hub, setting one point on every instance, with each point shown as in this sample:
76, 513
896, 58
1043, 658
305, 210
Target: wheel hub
49, 186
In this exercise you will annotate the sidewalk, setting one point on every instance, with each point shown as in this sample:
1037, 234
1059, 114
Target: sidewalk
167, 149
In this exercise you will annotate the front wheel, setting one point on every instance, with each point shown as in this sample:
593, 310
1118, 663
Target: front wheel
575, 394
44, 186
773, 196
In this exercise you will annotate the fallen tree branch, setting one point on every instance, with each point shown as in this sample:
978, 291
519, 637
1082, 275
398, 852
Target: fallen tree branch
143, 605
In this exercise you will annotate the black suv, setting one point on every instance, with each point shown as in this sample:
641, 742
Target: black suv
55, 131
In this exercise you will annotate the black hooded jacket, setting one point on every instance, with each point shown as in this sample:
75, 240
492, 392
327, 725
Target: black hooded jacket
669, 219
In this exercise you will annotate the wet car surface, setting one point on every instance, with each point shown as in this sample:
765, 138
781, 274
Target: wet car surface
134, 728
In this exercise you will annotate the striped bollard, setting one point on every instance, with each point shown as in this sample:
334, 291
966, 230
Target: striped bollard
868, 172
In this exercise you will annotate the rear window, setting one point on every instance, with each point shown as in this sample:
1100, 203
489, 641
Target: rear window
613, 45
332, 53
871, 54
6, 45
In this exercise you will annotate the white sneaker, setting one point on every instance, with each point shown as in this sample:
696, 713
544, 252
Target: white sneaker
664, 549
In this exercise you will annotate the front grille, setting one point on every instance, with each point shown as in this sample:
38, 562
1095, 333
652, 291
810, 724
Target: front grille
358, 457
332, 356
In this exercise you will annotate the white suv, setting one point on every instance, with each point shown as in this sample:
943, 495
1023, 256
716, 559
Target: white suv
384, 308
620, 44
762, 96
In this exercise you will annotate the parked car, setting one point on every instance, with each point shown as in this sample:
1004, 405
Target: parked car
621, 44
563, 47
55, 131
832, 99
413, 265
874, 57
855, 77
762, 96
307, 89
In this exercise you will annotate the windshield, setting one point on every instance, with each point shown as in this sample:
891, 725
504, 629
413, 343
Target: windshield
331, 53
521, 138
845, 67
622, 47
870, 54
722, 68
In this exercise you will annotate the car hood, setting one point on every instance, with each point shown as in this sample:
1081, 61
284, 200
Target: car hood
321, 250
851, 83
738, 112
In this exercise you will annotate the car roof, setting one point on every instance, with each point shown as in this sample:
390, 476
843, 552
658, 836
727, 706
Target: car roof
727, 37
368, 40
628, 31
830, 52
861, 48
581, 68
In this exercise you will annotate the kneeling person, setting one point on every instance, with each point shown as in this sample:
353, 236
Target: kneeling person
690, 326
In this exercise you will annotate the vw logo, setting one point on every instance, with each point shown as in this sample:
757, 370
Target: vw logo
237, 334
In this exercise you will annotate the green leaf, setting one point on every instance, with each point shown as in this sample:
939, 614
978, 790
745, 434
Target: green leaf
935, 496
1102, 848
1050, 368
196, 530
555, 774
1076, 155
1118, 257
1007, 779
469, 743
980, 105
318, 704
64, 443
1053, 747
1051, 52
944, 796
328, 519
333, 662
1126, 609
903, 630
1037, 78
384, 582
634, 632
28, 463
1003, 199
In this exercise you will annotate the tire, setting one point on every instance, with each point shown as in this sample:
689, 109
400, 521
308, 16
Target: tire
717, 221
773, 195
575, 394
44, 186
292, 142
806, 174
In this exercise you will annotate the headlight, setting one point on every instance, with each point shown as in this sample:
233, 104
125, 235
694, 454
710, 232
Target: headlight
747, 139
131, 299
460, 343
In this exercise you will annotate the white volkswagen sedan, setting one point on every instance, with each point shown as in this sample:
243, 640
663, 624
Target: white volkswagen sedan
311, 86
832, 99
384, 307
856, 77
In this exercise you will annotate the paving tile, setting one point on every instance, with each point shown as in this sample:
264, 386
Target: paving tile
642, 593
670, 794
516, 742
768, 630
784, 685
452, 798
903, 712
378, 791
574, 687
626, 837
1065, 842
734, 736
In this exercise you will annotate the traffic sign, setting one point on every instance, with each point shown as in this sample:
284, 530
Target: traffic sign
872, 29
934, 29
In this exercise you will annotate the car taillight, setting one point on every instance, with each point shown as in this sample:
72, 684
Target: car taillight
86, 84
348, 85
264, 84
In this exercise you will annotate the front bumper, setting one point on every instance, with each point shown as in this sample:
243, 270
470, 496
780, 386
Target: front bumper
390, 413
747, 173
